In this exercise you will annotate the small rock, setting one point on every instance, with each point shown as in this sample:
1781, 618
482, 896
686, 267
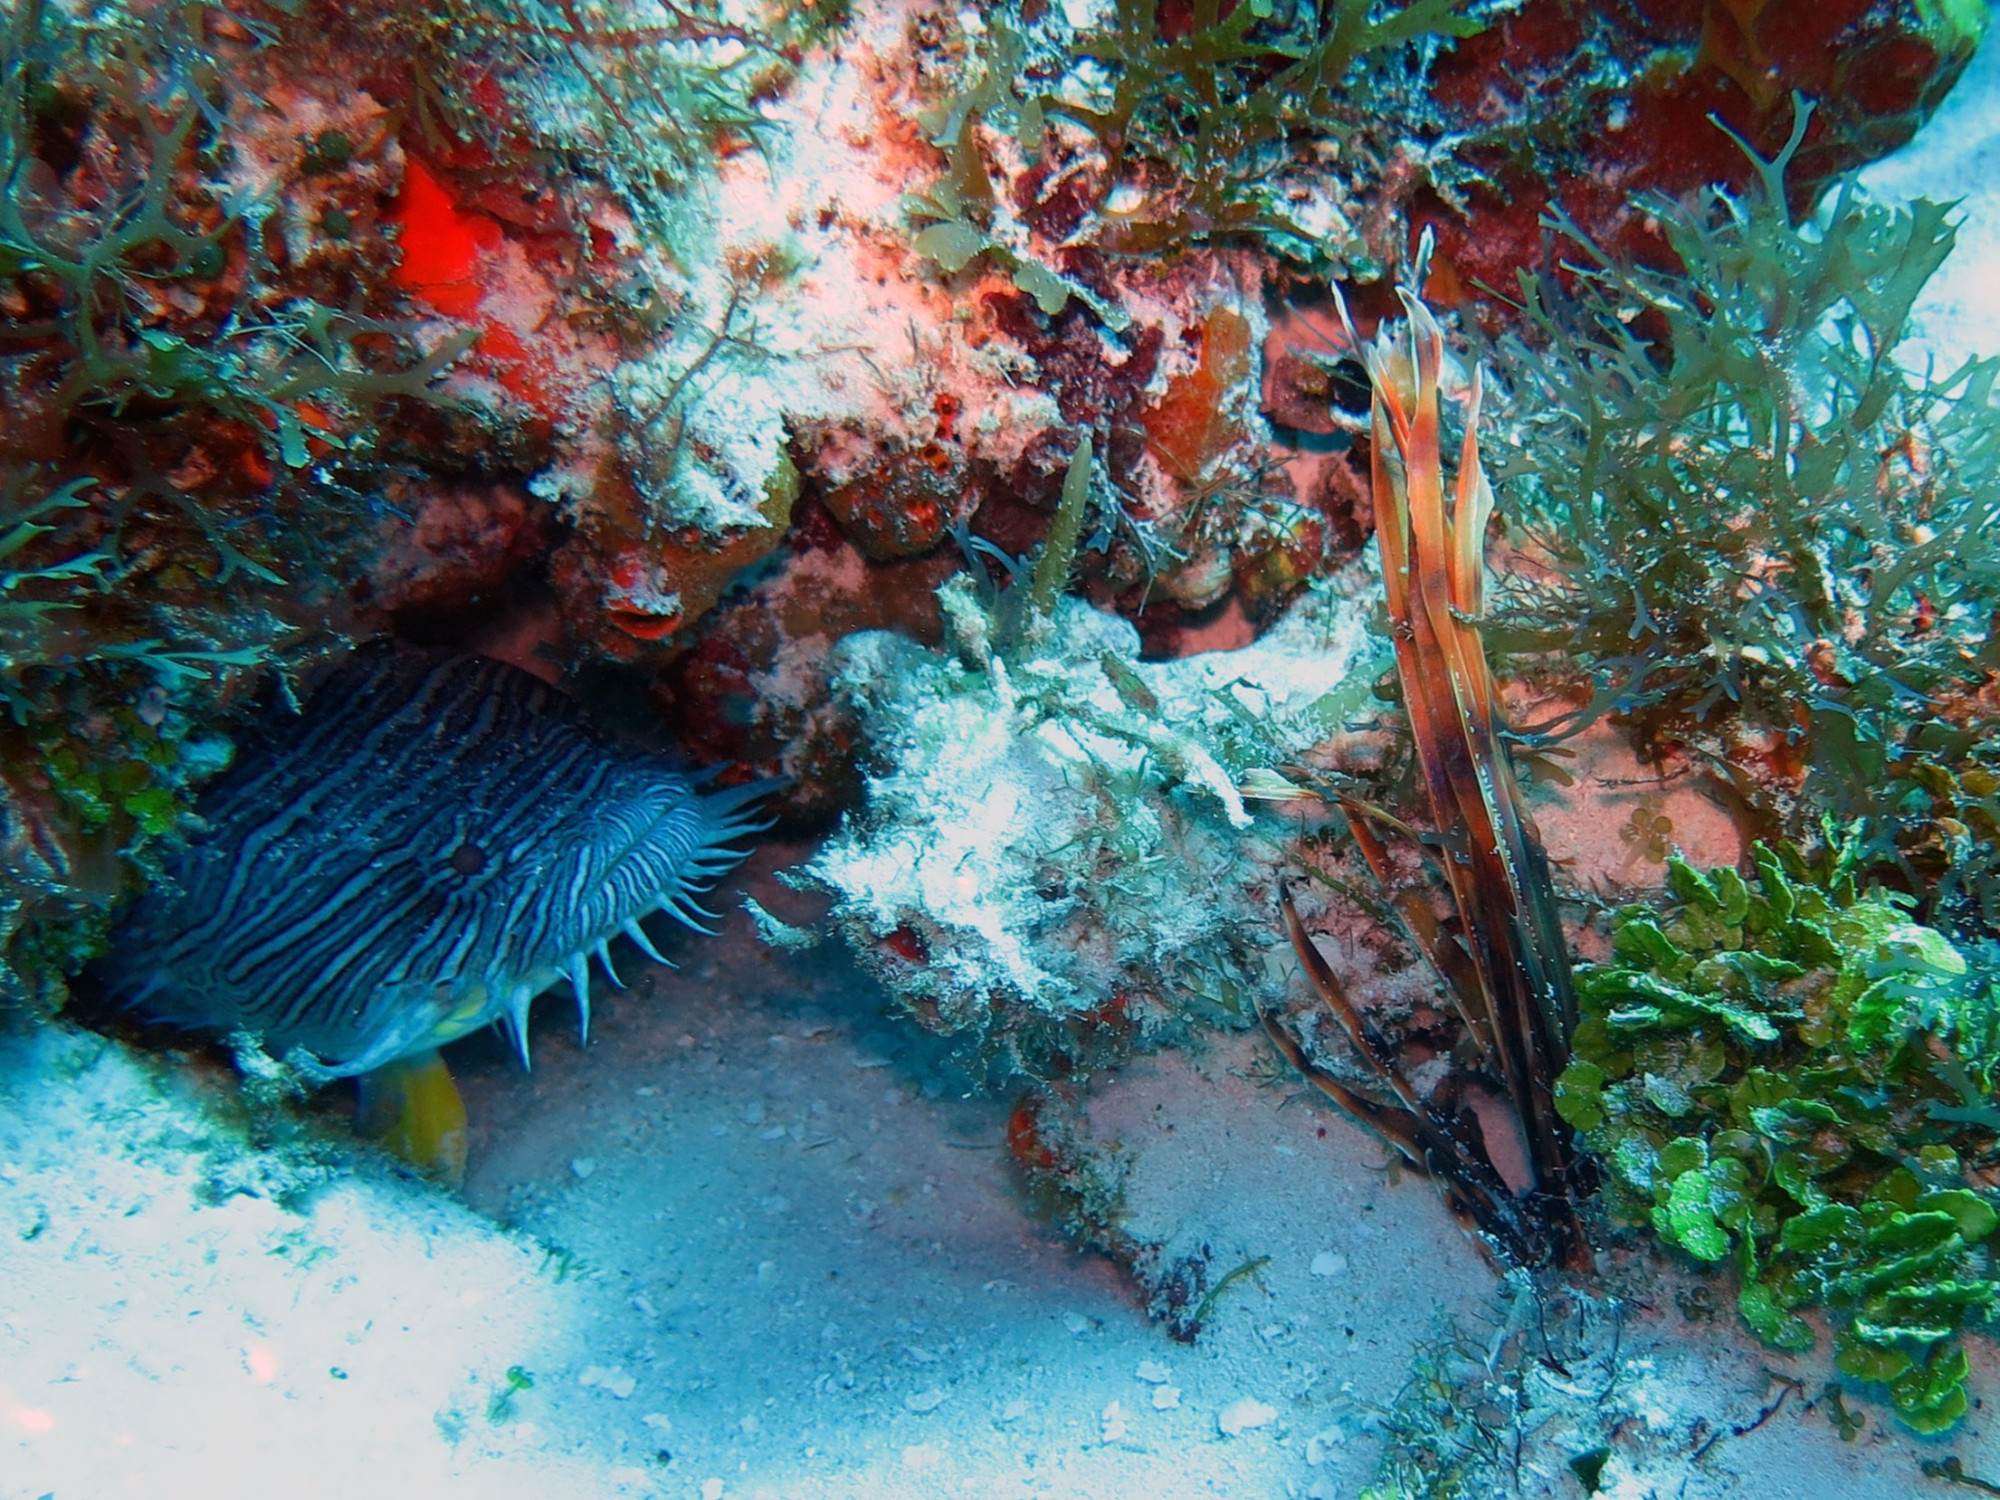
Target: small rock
612, 1381
1244, 1413
581, 1167
1114, 1423
1166, 1397
923, 1401
660, 1422
1013, 1411
711, 1489
1320, 1446
1153, 1372
1329, 1263
1078, 1324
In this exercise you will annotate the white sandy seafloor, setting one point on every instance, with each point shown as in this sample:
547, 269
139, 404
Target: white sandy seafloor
761, 1242
762, 1239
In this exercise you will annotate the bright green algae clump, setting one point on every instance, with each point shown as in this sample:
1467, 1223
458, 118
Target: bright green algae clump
1794, 1075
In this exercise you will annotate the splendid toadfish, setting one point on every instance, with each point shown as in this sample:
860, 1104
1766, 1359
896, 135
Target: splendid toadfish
430, 845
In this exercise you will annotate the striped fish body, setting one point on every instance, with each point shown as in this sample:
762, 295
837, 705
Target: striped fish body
429, 846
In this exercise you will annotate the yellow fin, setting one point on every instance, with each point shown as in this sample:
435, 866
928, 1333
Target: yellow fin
412, 1107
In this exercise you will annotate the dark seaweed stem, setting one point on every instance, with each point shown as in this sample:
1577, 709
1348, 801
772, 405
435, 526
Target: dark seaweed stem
1511, 977
1436, 1145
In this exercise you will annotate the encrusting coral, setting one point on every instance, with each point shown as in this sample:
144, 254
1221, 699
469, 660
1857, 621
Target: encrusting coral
1055, 854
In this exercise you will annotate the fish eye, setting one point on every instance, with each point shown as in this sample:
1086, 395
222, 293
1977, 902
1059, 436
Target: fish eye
468, 859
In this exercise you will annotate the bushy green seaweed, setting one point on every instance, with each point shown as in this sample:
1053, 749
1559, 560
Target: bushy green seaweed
1202, 115
1222, 103
636, 96
90, 334
187, 406
30, 594
1790, 1075
1752, 515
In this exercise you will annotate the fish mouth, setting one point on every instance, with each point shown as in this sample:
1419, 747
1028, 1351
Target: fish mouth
643, 624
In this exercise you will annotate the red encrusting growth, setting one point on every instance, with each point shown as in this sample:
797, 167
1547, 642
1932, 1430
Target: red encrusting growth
1877, 69
905, 943
449, 260
1189, 429
522, 372
442, 245
637, 602
1024, 1139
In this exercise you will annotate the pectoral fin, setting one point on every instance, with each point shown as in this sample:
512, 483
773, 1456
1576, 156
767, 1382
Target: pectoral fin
412, 1107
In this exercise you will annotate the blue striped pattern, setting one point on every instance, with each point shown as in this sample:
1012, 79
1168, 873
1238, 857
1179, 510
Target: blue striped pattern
432, 844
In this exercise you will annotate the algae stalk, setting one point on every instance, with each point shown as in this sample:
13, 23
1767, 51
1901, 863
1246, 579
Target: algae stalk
1045, 584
